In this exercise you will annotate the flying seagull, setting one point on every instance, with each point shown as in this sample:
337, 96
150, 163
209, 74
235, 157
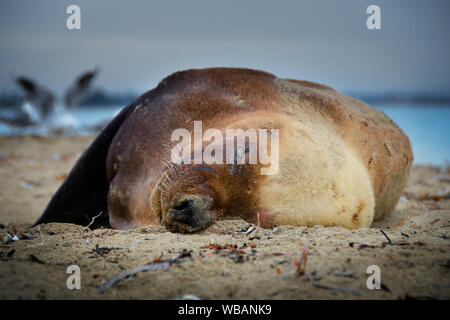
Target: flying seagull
46, 111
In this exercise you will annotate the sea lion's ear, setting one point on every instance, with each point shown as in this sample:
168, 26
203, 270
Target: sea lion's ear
83, 193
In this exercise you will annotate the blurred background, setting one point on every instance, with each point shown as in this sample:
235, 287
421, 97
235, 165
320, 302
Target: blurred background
402, 69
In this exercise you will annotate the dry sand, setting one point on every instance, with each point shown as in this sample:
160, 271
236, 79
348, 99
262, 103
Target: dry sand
221, 262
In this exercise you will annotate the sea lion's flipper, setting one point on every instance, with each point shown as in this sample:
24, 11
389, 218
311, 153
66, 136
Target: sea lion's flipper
83, 193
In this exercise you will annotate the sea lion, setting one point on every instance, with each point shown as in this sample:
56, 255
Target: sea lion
341, 162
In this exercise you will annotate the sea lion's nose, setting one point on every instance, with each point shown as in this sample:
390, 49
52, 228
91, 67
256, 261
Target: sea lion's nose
191, 210
183, 212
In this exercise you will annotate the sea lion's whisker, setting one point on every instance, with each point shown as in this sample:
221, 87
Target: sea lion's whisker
167, 166
164, 183
167, 176
174, 168
168, 146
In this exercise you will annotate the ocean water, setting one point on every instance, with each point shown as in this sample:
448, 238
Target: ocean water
428, 126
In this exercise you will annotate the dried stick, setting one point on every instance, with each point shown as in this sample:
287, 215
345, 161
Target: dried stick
92, 221
149, 267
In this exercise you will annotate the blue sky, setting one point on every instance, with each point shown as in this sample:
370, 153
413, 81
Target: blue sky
137, 43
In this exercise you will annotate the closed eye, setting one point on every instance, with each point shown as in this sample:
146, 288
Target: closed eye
208, 170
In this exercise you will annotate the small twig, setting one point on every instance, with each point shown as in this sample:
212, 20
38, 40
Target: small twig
144, 268
257, 227
250, 229
300, 265
389, 240
42, 236
303, 259
99, 252
36, 259
42, 239
92, 221
344, 290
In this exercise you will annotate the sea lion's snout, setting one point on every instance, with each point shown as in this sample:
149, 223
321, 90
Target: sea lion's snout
184, 199
189, 213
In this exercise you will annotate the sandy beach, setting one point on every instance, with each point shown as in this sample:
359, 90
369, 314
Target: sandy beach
411, 246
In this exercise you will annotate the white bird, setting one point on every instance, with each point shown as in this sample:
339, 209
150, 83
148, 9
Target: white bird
42, 109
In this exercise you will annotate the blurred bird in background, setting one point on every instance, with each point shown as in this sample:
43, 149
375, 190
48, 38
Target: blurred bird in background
42, 109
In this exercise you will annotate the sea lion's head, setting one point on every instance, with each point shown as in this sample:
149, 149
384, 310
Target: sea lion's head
191, 197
